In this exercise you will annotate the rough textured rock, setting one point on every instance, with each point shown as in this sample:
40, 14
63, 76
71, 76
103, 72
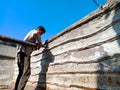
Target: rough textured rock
85, 56
112, 1
7, 61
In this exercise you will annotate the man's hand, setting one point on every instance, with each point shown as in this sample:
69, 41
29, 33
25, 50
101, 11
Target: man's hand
41, 45
45, 45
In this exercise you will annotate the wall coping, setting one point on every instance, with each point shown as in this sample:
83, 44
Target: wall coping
99, 12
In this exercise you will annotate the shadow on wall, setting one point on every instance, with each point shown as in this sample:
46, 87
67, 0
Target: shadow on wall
47, 58
108, 76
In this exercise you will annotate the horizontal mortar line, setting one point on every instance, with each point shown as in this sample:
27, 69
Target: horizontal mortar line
87, 36
4, 87
85, 48
8, 57
82, 72
87, 19
105, 58
63, 85
84, 87
40, 59
84, 37
46, 82
91, 46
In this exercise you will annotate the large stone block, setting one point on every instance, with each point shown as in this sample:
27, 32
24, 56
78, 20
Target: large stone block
7, 61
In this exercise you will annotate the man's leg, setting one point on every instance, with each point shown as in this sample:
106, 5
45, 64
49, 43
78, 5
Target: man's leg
20, 63
25, 75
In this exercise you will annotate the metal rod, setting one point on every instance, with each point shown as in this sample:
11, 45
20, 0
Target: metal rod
96, 3
8, 39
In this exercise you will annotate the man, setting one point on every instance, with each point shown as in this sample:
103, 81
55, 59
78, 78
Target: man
23, 57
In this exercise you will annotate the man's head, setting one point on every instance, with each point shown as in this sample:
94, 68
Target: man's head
41, 30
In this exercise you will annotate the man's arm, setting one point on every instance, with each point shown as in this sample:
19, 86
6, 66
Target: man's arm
38, 38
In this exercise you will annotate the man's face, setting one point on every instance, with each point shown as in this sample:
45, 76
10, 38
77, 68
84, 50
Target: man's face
40, 31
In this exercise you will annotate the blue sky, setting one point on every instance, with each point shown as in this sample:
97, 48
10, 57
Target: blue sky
18, 17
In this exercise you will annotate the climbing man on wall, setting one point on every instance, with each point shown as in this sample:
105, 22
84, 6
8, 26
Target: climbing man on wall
23, 56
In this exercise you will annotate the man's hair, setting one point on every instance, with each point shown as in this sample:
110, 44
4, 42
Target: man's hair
41, 28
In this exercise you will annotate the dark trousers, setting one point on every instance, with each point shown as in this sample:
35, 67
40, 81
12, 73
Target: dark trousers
24, 71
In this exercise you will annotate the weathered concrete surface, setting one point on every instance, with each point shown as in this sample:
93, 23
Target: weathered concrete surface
110, 2
85, 56
7, 61
5, 87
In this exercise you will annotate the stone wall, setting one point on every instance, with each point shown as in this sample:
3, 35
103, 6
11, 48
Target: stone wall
7, 61
85, 56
